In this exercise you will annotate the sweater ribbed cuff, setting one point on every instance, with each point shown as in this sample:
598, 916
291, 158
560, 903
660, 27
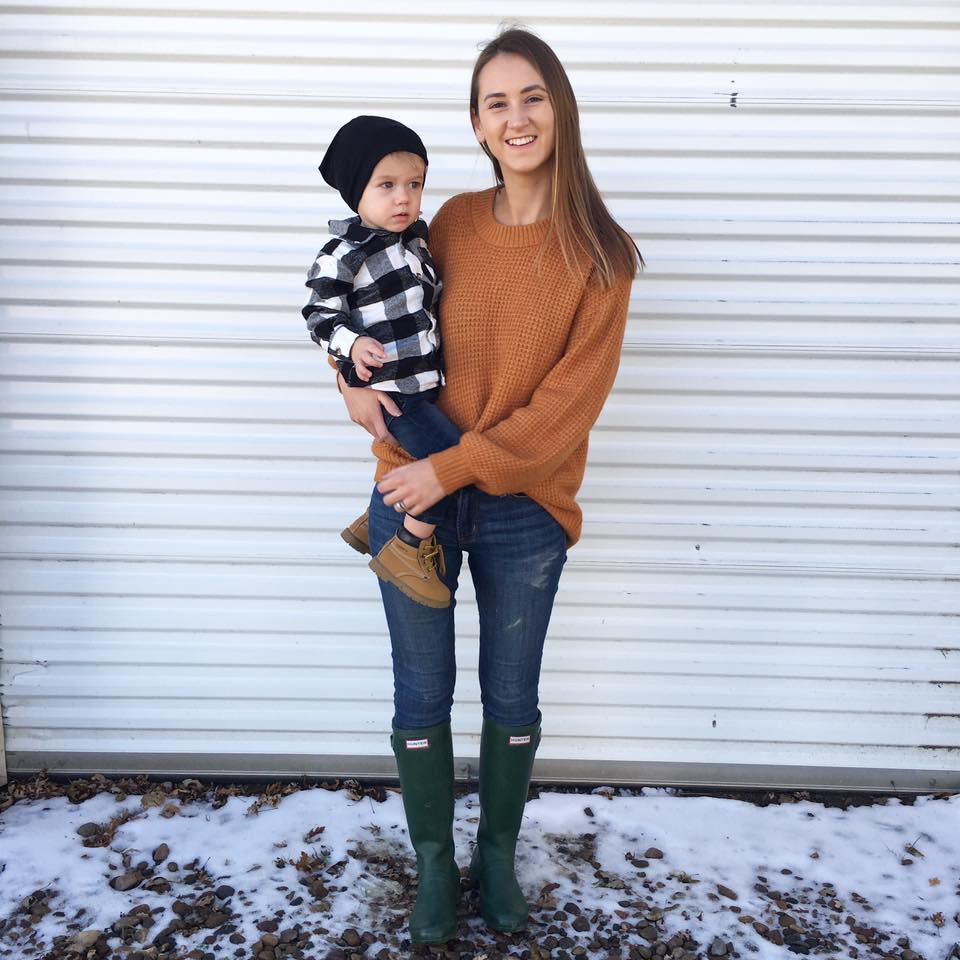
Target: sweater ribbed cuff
452, 468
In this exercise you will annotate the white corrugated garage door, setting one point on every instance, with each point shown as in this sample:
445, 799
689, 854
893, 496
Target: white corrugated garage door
766, 592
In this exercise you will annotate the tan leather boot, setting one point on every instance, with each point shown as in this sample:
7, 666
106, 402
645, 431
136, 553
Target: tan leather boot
357, 534
415, 571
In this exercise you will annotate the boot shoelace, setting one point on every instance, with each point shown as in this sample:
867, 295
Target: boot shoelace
431, 554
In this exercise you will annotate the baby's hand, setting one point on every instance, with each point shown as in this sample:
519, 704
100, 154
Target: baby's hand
366, 353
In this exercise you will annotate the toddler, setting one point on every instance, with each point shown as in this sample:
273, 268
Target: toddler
373, 307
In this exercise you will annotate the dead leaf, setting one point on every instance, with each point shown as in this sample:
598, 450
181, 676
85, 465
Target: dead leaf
154, 798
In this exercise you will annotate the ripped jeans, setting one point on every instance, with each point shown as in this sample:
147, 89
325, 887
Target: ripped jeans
516, 552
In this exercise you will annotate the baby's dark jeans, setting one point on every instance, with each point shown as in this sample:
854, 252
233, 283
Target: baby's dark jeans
422, 430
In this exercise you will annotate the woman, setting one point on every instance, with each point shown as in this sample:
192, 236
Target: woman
537, 278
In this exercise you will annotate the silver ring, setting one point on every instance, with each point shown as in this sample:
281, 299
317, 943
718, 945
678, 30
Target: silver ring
399, 507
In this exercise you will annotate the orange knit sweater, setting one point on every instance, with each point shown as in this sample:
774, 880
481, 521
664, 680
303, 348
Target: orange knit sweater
531, 353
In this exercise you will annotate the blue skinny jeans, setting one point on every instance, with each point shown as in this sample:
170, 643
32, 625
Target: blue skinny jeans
516, 552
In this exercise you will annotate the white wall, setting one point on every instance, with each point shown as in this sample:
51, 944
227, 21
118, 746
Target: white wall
766, 589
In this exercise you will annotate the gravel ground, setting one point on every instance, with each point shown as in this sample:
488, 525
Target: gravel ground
643, 914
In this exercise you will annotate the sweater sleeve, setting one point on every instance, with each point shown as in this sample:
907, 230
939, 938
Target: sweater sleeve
535, 439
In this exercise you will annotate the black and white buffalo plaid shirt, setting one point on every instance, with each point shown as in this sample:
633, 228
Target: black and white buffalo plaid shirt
377, 283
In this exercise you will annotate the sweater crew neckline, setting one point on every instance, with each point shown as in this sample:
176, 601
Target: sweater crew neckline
500, 235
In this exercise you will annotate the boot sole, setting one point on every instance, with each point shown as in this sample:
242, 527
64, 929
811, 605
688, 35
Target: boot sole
433, 941
384, 574
505, 928
352, 541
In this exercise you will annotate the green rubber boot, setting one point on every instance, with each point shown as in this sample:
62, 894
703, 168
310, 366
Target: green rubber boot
506, 762
425, 763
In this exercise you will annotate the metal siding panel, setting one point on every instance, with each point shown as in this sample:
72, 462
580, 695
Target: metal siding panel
766, 589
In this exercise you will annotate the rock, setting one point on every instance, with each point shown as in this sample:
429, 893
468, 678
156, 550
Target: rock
718, 948
581, 924
181, 908
127, 881
786, 920
84, 940
161, 854
649, 933
268, 926
653, 854
216, 918
910, 955
157, 885
224, 891
572, 909
350, 937
269, 939
88, 829
726, 892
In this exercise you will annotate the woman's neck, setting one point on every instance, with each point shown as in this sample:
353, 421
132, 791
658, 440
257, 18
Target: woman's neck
523, 200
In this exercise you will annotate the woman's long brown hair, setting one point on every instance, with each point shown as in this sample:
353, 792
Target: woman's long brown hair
581, 220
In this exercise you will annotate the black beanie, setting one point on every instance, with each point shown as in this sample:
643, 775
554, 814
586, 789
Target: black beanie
358, 147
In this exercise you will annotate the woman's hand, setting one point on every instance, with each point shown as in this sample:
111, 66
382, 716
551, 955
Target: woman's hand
415, 484
366, 407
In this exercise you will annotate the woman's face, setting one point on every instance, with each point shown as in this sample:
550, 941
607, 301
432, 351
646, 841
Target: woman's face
514, 115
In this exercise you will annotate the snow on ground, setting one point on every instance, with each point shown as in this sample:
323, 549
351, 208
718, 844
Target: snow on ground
316, 873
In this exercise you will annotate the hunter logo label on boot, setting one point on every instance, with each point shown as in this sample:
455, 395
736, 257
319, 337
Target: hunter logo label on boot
422, 744
520, 741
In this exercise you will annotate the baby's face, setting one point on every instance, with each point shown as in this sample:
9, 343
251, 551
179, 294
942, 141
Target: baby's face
391, 200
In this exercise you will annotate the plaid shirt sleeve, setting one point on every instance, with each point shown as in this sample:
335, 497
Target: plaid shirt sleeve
327, 312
